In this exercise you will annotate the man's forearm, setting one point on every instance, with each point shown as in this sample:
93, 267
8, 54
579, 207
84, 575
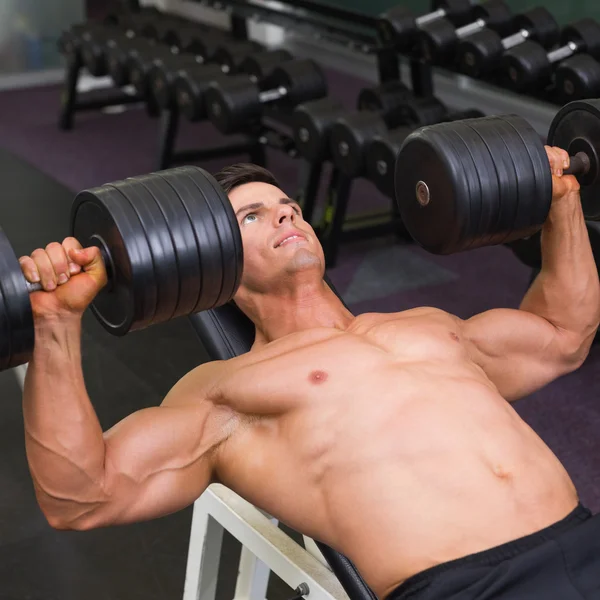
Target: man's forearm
63, 437
567, 291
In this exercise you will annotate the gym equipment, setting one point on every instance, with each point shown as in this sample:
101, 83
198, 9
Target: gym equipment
576, 78
397, 26
351, 133
171, 245
195, 76
528, 67
191, 83
438, 40
236, 102
487, 181
118, 53
481, 53
312, 122
383, 151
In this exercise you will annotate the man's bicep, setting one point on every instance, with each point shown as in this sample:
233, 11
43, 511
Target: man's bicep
159, 460
519, 351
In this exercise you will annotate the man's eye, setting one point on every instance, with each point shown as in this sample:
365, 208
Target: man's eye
245, 219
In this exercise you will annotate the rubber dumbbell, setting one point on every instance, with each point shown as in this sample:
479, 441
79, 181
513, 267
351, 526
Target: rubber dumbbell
202, 48
528, 67
438, 40
140, 63
191, 83
235, 102
481, 53
397, 26
351, 134
312, 122
195, 78
383, 151
118, 54
123, 55
577, 78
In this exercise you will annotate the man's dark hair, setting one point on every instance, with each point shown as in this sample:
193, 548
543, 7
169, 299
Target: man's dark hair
235, 175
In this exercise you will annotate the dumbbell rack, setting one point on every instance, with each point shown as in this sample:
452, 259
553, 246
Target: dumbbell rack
71, 102
354, 30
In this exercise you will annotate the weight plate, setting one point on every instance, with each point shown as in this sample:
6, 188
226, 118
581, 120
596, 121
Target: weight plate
508, 193
540, 205
381, 157
184, 241
16, 317
100, 217
432, 191
526, 185
473, 208
576, 128
228, 234
312, 124
233, 250
349, 137
488, 181
159, 241
207, 238
190, 86
5, 336
232, 103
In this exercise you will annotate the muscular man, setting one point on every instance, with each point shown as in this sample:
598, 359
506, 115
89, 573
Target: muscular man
390, 437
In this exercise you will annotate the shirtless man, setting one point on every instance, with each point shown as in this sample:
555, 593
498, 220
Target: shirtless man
389, 437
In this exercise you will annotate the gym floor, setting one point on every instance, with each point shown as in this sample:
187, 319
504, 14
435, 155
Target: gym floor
41, 169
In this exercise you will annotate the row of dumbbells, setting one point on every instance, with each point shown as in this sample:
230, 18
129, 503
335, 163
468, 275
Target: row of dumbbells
364, 143
203, 72
527, 52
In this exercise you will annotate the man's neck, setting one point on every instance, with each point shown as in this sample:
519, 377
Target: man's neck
304, 307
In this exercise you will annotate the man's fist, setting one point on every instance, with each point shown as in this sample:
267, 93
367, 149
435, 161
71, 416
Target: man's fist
71, 277
562, 185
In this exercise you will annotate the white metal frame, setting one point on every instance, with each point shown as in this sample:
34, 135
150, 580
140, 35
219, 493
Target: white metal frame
265, 548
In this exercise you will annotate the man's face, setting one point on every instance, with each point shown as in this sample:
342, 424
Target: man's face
278, 242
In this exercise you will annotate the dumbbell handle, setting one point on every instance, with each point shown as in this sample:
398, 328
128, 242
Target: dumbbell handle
579, 164
473, 27
515, 39
273, 95
563, 52
440, 13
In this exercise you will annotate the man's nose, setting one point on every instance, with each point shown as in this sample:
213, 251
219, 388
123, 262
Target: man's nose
285, 213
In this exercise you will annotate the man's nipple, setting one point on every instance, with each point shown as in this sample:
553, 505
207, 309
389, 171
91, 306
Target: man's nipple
317, 377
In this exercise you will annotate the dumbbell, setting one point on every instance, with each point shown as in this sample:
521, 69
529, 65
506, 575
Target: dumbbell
95, 43
191, 83
397, 26
439, 39
481, 53
119, 52
528, 67
312, 121
229, 57
351, 134
171, 245
480, 182
576, 78
383, 151
235, 103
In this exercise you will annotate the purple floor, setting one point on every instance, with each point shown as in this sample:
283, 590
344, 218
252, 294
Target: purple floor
377, 275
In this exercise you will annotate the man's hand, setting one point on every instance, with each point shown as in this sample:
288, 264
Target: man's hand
562, 185
70, 275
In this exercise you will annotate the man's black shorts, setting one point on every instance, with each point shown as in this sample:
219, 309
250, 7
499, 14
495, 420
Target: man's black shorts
561, 562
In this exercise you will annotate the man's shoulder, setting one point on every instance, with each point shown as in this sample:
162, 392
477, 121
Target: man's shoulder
201, 383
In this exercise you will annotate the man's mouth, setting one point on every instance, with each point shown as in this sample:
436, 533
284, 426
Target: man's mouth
291, 239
